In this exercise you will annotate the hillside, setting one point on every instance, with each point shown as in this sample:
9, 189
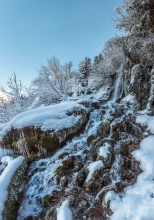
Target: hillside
80, 145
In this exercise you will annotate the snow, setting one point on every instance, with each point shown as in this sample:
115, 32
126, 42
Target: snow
129, 99
47, 118
146, 120
34, 104
92, 167
4, 152
137, 202
1, 153
41, 179
5, 179
6, 160
104, 150
43, 182
64, 212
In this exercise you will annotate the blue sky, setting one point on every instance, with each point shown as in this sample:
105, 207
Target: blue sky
33, 30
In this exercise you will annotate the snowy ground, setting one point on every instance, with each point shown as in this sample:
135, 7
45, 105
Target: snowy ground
137, 202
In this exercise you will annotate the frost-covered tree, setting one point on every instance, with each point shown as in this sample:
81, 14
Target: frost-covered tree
136, 17
98, 64
85, 67
113, 53
17, 101
55, 81
137, 20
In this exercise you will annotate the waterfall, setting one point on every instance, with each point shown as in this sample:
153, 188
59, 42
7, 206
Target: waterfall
118, 84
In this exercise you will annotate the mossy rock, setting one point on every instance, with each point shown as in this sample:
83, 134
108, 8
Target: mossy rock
32, 140
59, 171
61, 156
78, 165
46, 200
69, 162
64, 182
90, 139
15, 190
81, 177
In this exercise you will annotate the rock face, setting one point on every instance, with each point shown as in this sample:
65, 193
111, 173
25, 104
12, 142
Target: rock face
91, 163
140, 84
15, 191
150, 105
112, 141
34, 141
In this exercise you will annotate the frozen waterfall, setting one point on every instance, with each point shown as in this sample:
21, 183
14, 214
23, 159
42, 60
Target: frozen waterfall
118, 84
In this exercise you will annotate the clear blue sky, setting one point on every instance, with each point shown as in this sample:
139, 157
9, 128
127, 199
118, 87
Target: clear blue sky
33, 30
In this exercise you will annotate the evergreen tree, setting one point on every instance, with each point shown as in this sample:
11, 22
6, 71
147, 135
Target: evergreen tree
98, 64
85, 67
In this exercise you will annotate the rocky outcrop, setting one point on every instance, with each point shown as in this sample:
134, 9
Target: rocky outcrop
34, 141
150, 106
113, 142
140, 84
15, 192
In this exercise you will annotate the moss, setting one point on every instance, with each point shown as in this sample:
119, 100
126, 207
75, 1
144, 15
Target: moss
59, 170
96, 174
61, 156
46, 200
64, 182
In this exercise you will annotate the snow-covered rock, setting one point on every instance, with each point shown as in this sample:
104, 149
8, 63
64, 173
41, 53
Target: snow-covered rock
10, 185
42, 130
92, 167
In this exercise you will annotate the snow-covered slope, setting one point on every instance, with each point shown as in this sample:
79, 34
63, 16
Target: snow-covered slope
137, 202
105, 172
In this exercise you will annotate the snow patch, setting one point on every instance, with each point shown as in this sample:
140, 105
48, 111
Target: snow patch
146, 120
129, 99
104, 150
92, 167
6, 160
64, 212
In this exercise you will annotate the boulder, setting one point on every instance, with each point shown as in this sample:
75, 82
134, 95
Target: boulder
48, 135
